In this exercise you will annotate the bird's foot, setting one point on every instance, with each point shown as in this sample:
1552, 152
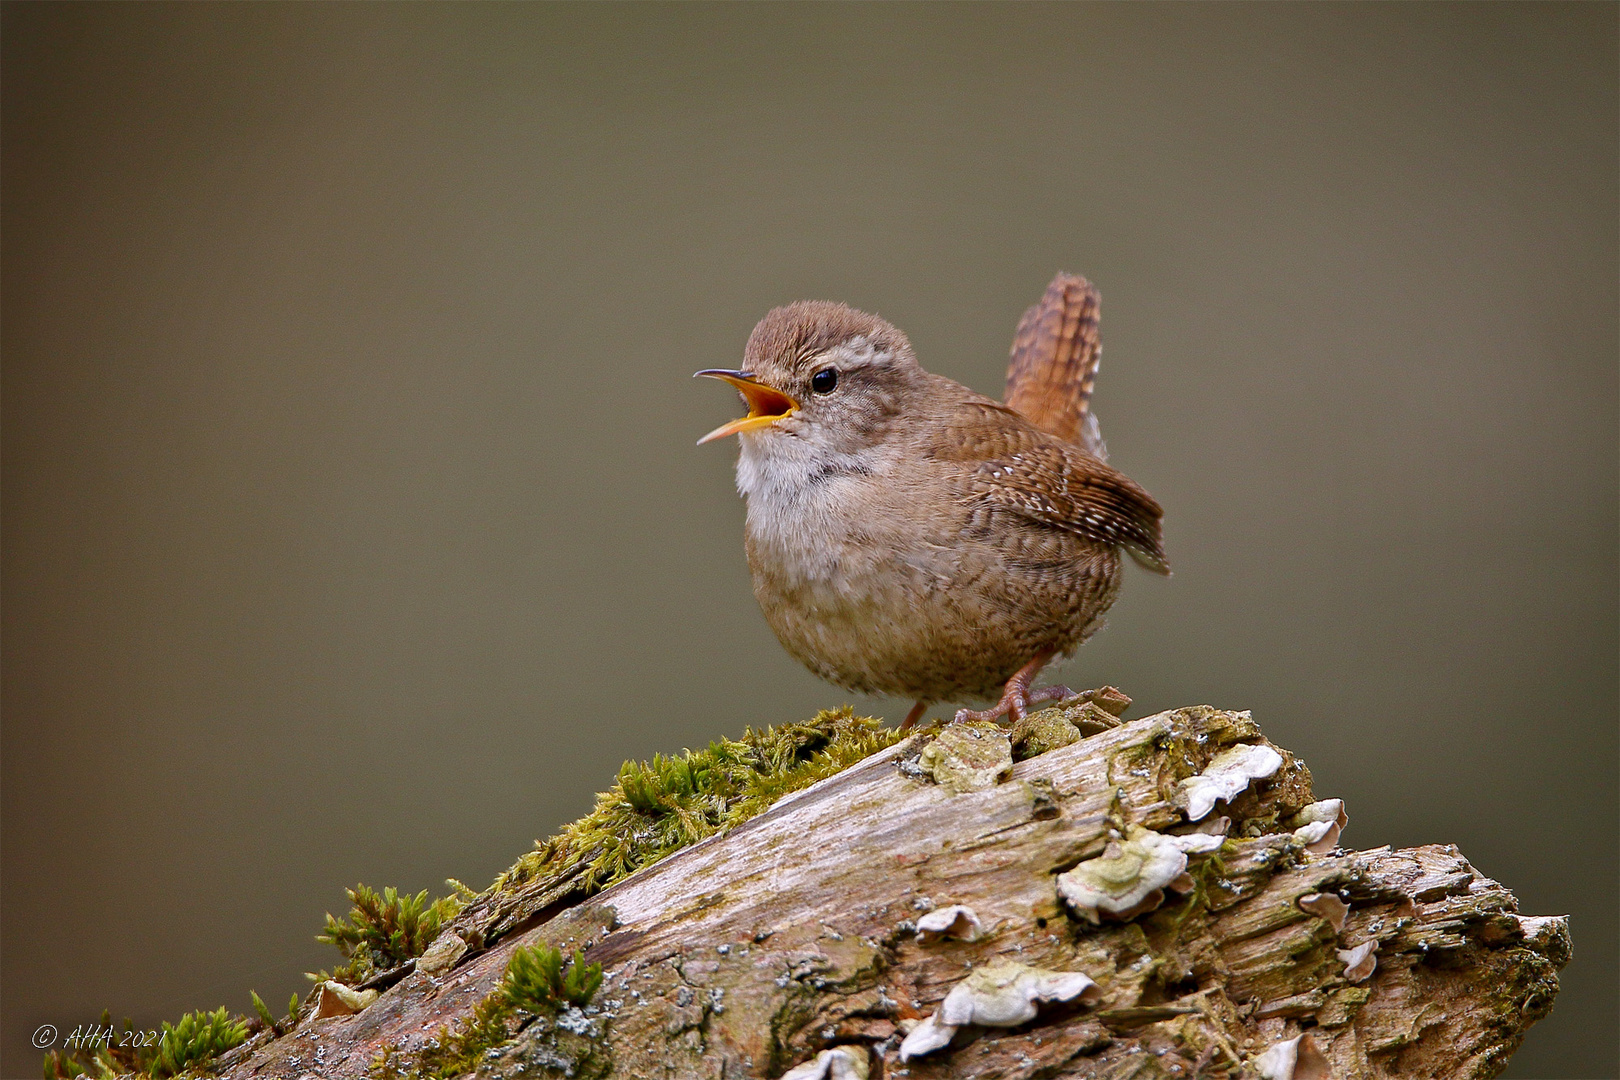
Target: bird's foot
1017, 697
1014, 704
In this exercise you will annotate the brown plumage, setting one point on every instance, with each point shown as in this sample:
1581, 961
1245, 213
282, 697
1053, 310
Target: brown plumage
1055, 354
909, 536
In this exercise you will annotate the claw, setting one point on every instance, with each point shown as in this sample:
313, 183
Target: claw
1014, 705
1016, 697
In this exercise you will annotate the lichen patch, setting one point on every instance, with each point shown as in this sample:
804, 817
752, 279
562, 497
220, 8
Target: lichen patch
1042, 732
968, 757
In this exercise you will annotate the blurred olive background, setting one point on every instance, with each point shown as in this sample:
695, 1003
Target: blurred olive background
353, 525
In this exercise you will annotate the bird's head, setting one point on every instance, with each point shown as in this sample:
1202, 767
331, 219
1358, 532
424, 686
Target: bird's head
820, 372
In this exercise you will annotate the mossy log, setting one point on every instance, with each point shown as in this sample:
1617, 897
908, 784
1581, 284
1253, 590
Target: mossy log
801, 940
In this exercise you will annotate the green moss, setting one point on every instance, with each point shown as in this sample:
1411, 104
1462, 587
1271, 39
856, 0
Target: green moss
198, 1038
383, 930
276, 1027
264, 1011
536, 981
660, 806
655, 808
117, 1055
455, 1051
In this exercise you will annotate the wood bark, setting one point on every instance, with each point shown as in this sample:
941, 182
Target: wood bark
748, 954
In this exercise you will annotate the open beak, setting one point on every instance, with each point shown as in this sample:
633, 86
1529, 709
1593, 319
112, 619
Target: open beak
765, 405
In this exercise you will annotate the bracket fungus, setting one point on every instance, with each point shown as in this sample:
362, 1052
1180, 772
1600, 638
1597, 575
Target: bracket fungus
837, 1063
1298, 1058
1228, 773
339, 1000
1360, 962
968, 757
1130, 876
1003, 993
1325, 906
1319, 825
957, 921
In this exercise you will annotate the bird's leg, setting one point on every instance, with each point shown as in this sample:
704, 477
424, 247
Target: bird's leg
1016, 697
913, 716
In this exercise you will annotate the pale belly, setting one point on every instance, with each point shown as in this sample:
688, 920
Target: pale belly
880, 602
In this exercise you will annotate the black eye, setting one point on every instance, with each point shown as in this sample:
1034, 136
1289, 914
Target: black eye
823, 381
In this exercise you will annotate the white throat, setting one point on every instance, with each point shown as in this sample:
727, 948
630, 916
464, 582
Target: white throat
799, 495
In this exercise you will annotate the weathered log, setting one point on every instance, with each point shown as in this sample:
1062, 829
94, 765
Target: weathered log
823, 925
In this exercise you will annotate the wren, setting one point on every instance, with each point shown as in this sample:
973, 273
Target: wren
908, 536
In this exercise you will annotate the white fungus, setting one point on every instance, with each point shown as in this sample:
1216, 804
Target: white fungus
837, 1063
1296, 1059
1319, 825
1130, 876
957, 921
1326, 906
339, 1000
1360, 962
1003, 993
1228, 773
